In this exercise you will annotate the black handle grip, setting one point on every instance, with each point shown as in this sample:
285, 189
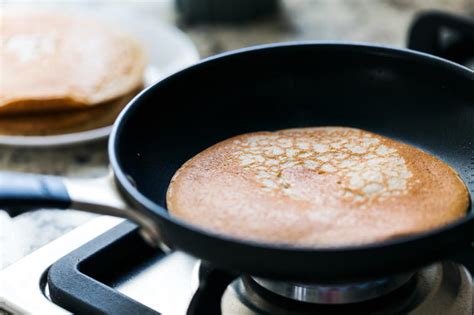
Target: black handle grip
426, 34
21, 192
212, 285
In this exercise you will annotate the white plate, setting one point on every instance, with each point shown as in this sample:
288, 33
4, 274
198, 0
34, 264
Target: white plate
168, 50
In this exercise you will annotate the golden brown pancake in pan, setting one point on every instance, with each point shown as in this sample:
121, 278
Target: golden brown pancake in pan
55, 62
318, 187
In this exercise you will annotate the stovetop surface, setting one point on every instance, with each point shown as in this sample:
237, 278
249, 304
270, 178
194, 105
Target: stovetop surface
118, 273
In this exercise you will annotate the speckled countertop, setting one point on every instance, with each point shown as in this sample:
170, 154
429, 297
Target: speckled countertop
356, 20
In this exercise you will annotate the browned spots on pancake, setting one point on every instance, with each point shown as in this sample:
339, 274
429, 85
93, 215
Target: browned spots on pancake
366, 167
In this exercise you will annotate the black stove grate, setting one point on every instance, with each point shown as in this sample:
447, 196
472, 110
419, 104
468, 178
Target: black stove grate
82, 281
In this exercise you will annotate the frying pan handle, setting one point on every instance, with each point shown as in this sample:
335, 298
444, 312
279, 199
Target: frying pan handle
208, 295
21, 192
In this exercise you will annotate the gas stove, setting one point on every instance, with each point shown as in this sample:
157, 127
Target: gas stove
117, 273
105, 266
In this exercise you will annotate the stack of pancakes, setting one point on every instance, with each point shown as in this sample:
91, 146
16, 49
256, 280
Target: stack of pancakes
62, 74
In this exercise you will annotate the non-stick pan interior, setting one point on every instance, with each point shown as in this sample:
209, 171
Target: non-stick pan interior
404, 96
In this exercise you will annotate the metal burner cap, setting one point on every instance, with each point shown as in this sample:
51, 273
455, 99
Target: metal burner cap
335, 293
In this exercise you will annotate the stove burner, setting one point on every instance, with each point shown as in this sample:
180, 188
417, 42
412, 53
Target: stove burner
443, 288
343, 293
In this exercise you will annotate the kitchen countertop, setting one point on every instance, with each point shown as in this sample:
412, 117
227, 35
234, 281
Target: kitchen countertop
378, 21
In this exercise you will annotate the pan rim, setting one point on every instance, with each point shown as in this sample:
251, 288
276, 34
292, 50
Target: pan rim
149, 205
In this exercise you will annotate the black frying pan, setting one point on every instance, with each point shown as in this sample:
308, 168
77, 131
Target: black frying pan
412, 97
